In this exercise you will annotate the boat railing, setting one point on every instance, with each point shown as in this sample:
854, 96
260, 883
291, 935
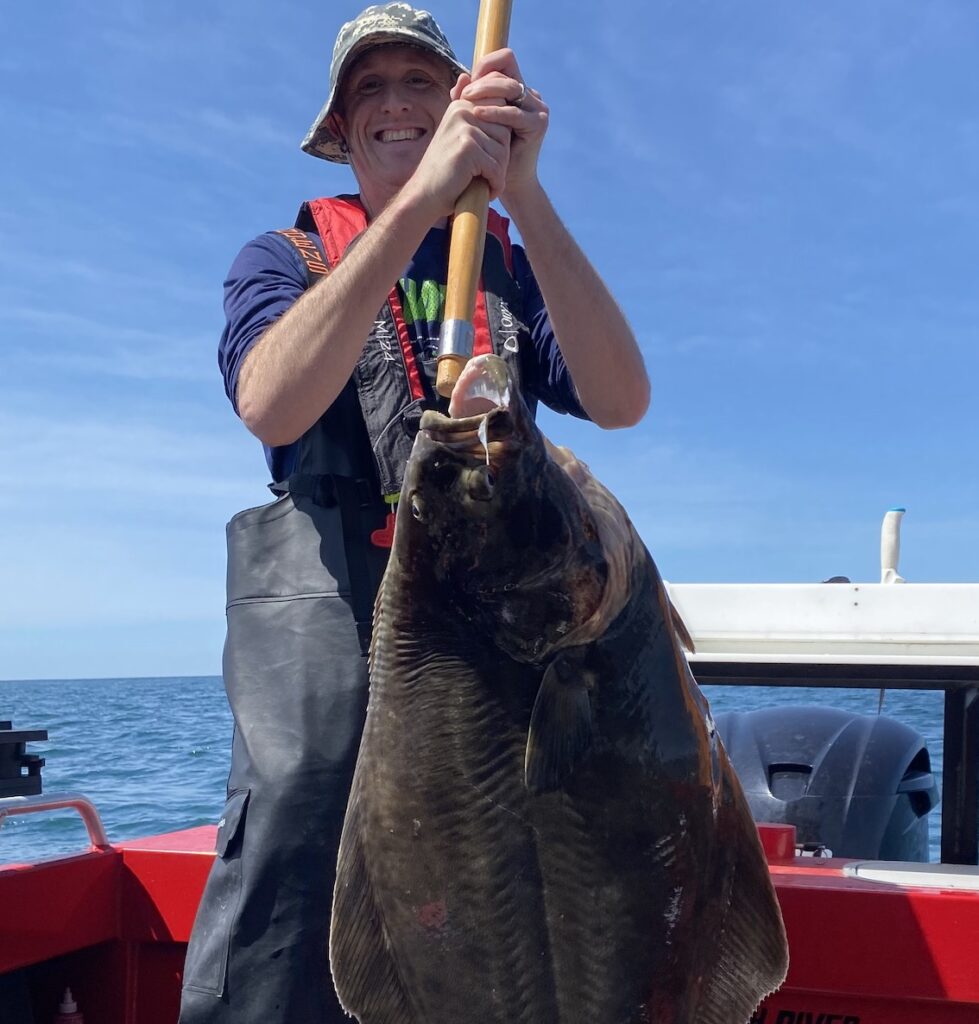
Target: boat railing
12, 805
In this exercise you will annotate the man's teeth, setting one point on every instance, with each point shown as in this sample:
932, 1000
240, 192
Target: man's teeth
399, 134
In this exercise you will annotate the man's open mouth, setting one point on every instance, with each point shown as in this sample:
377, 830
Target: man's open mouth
399, 134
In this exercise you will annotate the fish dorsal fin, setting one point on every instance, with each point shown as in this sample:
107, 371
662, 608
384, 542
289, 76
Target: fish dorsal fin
680, 628
560, 724
364, 972
751, 957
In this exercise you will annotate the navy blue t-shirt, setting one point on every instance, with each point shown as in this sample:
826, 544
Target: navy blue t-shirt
268, 275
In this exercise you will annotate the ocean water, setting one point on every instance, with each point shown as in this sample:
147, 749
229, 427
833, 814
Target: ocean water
153, 754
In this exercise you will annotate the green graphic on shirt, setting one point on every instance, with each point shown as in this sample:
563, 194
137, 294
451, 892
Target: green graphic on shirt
423, 304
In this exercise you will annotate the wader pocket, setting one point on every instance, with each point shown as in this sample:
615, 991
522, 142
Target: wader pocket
229, 827
206, 965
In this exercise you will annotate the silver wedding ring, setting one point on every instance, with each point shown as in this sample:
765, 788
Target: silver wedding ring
518, 102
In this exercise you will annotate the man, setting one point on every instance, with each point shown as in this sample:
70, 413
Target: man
334, 389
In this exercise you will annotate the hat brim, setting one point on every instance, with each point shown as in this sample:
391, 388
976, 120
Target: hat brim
321, 141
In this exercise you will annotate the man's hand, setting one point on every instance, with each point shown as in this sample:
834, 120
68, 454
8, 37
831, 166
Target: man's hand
465, 146
596, 340
484, 135
495, 86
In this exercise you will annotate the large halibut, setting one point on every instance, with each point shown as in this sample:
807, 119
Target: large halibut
543, 826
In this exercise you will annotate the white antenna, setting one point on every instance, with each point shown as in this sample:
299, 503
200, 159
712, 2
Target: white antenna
890, 545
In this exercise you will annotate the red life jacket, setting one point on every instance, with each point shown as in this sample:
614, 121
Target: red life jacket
392, 388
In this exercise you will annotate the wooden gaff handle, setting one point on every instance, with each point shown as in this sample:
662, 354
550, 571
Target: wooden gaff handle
469, 221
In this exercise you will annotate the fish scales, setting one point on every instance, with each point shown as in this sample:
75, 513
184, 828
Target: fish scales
543, 826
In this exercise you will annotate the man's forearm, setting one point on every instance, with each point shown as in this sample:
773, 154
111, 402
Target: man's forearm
594, 337
300, 364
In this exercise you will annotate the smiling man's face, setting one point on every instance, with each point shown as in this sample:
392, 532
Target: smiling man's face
393, 98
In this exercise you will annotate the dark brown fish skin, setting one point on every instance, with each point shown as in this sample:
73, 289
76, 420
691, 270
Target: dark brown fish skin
524, 565
623, 881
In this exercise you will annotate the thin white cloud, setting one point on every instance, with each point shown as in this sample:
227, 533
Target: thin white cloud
244, 132
87, 574
117, 519
180, 362
29, 262
103, 454
83, 344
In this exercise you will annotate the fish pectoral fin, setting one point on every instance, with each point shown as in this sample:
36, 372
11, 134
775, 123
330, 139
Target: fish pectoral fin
560, 725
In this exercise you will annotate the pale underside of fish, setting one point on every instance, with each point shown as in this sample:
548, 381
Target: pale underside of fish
543, 826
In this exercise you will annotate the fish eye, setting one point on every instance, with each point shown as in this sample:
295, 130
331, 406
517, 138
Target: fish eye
444, 474
417, 508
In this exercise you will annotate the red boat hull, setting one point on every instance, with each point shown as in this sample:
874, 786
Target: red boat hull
113, 925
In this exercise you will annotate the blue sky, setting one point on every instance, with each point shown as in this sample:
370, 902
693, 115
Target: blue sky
783, 196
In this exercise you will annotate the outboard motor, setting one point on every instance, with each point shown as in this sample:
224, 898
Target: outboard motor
855, 785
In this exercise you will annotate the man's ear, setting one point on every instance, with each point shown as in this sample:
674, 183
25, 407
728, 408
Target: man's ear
338, 125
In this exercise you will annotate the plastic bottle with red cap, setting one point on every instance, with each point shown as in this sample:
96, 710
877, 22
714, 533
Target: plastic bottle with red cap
68, 1012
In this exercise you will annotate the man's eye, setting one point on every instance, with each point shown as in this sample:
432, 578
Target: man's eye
368, 86
419, 81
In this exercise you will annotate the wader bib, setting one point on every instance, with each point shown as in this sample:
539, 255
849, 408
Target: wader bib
302, 575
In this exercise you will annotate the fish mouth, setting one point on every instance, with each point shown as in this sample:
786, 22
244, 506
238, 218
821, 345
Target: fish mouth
484, 411
483, 385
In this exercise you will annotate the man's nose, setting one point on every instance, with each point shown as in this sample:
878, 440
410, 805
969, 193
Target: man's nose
395, 97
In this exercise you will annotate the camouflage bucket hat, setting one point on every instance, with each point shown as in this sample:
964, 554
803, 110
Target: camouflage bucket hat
384, 23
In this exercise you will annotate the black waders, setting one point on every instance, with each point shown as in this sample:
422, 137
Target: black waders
295, 671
